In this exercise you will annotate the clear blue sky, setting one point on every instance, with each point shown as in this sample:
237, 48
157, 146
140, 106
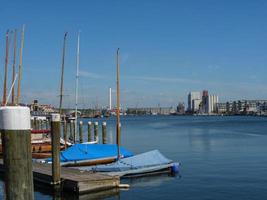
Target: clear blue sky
168, 48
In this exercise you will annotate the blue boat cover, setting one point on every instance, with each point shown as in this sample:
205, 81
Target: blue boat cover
141, 161
79, 152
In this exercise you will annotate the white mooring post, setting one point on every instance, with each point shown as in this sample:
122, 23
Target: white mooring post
15, 125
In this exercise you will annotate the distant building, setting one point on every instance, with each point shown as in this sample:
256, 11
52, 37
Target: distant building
221, 108
151, 111
196, 105
204, 103
193, 99
180, 108
212, 102
243, 107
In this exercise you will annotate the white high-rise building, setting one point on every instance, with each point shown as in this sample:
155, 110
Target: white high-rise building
212, 103
193, 101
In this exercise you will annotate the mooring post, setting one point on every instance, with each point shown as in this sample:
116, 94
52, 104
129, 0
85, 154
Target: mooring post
38, 124
71, 130
96, 131
74, 130
42, 124
55, 133
34, 123
15, 126
65, 133
104, 133
89, 136
47, 124
81, 132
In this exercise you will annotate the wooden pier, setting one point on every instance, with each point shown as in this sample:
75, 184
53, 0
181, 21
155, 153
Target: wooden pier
72, 180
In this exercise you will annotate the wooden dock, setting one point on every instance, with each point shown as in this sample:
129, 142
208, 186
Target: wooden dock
72, 180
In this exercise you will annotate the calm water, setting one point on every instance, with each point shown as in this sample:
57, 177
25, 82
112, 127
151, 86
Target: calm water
221, 157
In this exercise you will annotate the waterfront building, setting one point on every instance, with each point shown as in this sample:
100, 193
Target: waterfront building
243, 107
221, 108
193, 96
180, 108
204, 103
212, 104
151, 111
196, 105
229, 107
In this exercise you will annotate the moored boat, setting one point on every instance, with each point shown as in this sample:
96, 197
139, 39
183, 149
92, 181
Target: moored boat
144, 164
90, 154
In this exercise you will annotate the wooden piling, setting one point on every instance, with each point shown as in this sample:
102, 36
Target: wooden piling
37, 124
104, 133
47, 124
81, 132
55, 133
71, 130
89, 136
42, 124
16, 140
96, 131
65, 133
34, 123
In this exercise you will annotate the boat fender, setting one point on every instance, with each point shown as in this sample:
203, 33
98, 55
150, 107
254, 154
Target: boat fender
124, 185
175, 168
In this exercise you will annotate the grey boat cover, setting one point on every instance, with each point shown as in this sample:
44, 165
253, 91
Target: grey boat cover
152, 159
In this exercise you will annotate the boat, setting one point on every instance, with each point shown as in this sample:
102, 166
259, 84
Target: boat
90, 154
148, 163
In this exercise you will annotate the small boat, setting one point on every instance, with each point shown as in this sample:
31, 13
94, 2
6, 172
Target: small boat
148, 163
90, 154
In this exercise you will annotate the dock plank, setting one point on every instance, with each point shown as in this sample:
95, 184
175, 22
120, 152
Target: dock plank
73, 180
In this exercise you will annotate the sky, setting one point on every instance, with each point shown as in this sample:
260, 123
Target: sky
167, 49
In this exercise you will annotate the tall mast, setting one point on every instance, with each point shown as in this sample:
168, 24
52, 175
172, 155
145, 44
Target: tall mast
20, 62
14, 66
118, 130
6, 64
62, 74
76, 86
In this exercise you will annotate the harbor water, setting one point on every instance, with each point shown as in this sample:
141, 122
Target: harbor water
221, 157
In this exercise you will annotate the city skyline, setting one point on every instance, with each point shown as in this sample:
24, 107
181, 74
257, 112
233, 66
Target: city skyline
167, 50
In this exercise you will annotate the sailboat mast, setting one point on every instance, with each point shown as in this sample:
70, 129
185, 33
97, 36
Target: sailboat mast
14, 66
62, 74
76, 86
20, 62
118, 130
6, 64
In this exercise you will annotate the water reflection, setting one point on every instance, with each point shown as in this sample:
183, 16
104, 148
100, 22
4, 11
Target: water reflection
200, 139
151, 181
42, 192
